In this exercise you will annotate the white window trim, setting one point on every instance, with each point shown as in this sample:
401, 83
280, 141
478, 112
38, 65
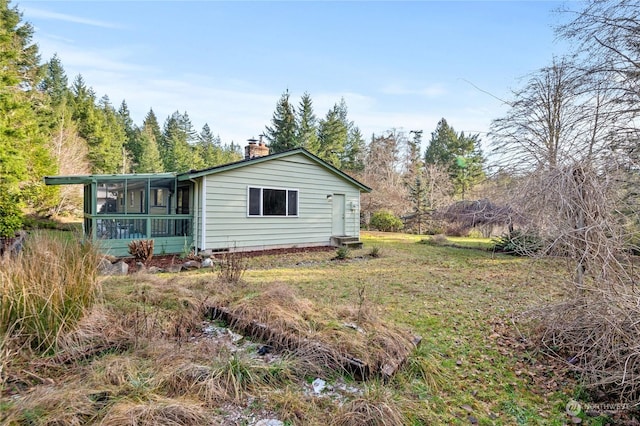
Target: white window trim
261, 188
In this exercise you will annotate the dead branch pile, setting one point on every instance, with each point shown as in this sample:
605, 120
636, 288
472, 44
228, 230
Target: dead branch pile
479, 212
597, 334
596, 328
324, 338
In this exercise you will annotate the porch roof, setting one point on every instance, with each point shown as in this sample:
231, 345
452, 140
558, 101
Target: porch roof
84, 179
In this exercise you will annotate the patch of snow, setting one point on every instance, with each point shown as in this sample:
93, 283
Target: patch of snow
318, 385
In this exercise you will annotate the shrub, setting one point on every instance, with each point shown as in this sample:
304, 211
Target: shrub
46, 289
342, 253
233, 266
11, 216
141, 250
375, 252
518, 243
384, 220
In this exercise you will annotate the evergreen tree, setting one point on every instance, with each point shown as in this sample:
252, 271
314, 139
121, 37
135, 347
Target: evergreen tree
132, 135
149, 160
98, 126
354, 153
332, 134
124, 115
24, 159
415, 179
458, 153
231, 153
55, 82
176, 150
146, 155
209, 147
418, 195
282, 133
153, 125
68, 150
414, 158
307, 125
110, 139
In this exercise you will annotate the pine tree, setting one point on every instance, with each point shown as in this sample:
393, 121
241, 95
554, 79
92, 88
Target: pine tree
282, 133
415, 179
208, 147
24, 159
147, 154
132, 134
149, 160
354, 153
176, 151
110, 139
332, 134
153, 125
55, 82
458, 153
98, 126
68, 149
307, 125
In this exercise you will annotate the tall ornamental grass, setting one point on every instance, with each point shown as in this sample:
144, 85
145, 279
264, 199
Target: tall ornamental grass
46, 288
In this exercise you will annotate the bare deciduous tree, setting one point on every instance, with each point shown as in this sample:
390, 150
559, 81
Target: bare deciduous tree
382, 173
70, 152
564, 129
553, 120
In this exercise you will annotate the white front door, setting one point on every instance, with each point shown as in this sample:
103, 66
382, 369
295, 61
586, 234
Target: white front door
338, 210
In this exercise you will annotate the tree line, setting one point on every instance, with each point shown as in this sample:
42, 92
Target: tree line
407, 181
50, 126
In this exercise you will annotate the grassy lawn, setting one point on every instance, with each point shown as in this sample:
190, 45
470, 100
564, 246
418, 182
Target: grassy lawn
459, 301
471, 365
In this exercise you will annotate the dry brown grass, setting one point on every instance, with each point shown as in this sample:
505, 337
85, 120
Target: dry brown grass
159, 411
329, 338
53, 405
145, 359
374, 408
46, 289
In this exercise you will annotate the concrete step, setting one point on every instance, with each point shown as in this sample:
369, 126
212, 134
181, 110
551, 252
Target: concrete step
346, 241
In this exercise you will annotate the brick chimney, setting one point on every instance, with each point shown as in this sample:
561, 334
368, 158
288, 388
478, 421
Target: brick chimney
255, 149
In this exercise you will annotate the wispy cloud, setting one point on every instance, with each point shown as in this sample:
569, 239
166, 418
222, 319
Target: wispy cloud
31, 12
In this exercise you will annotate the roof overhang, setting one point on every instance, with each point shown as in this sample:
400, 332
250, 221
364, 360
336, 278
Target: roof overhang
85, 179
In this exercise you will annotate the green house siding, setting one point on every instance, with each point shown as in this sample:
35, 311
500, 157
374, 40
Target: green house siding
227, 224
209, 209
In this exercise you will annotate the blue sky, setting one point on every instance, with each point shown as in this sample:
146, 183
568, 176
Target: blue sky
400, 65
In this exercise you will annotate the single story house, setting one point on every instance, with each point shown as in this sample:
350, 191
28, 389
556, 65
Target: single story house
283, 200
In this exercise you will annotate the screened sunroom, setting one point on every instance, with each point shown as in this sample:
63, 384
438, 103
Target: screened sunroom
121, 208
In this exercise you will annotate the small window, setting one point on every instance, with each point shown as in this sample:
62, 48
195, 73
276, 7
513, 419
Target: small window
254, 201
132, 199
273, 202
157, 199
292, 203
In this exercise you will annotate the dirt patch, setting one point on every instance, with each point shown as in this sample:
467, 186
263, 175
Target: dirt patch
167, 260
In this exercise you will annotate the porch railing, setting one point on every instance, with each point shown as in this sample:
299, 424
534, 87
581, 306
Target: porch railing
136, 227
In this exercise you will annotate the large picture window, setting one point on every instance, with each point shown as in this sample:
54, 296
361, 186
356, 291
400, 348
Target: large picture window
273, 202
